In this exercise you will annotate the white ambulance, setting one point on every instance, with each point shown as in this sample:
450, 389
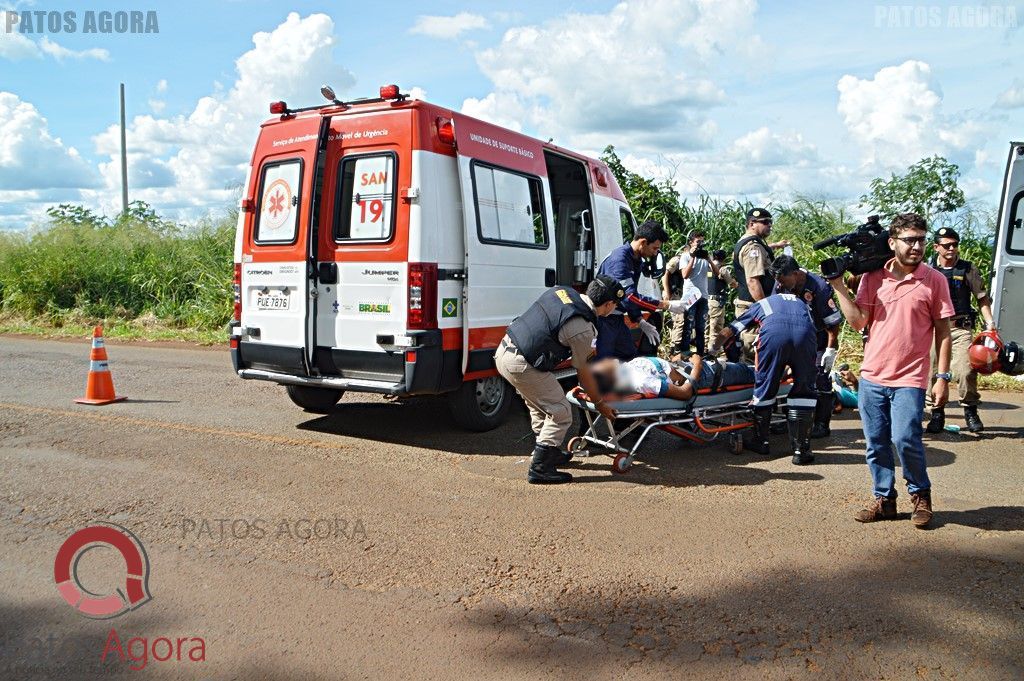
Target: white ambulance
1008, 268
384, 245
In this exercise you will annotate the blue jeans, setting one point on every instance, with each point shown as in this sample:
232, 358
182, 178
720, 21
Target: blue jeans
693, 328
891, 417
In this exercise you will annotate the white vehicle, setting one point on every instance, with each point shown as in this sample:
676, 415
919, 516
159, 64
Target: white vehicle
1008, 270
384, 246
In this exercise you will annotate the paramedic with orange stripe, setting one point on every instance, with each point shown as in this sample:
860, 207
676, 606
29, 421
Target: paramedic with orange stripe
624, 265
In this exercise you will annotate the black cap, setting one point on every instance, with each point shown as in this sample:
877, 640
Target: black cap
605, 288
946, 233
758, 214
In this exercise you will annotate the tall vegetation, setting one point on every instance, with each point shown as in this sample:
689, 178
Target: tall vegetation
83, 267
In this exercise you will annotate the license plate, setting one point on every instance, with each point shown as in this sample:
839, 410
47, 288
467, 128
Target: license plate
271, 302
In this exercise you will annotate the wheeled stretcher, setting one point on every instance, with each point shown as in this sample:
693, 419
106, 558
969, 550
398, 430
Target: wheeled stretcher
700, 419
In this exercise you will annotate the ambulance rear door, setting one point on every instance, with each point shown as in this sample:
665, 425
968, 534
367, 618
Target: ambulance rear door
510, 257
1008, 270
275, 269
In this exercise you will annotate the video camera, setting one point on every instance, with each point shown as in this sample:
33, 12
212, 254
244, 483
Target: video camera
867, 250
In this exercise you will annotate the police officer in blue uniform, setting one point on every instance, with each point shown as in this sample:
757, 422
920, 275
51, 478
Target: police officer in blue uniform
624, 264
816, 292
786, 338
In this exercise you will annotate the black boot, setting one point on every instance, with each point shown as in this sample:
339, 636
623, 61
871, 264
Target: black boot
974, 423
757, 441
800, 422
542, 468
560, 457
937, 422
822, 416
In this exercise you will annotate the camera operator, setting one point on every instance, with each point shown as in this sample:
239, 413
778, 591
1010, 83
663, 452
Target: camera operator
964, 283
685, 272
750, 259
718, 293
812, 289
907, 307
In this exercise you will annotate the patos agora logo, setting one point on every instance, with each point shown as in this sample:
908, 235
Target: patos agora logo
102, 606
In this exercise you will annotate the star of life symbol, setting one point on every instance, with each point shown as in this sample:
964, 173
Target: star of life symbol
277, 205
334, 305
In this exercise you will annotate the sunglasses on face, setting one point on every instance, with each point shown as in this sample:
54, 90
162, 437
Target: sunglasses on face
951, 244
911, 240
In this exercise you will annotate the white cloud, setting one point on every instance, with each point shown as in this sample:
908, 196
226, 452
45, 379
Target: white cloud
1012, 97
635, 76
449, 27
162, 85
157, 105
896, 118
15, 47
61, 53
762, 147
190, 163
30, 157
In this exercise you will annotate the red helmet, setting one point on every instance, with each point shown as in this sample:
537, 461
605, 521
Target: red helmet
984, 353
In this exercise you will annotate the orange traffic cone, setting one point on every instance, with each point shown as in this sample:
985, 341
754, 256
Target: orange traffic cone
99, 389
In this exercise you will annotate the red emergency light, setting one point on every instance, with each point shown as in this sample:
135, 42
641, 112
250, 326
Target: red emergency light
278, 108
389, 92
445, 131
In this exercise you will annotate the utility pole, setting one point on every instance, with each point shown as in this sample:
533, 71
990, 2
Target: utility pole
124, 161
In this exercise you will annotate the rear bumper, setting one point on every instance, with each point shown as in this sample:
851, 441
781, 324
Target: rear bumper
334, 382
425, 368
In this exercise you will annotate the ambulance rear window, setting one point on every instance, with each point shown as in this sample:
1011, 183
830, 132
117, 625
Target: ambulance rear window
365, 209
280, 188
509, 207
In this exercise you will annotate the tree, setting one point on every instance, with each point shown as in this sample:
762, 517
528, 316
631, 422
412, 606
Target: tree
929, 188
648, 199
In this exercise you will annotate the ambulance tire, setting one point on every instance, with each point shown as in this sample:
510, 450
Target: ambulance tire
315, 400
482, 404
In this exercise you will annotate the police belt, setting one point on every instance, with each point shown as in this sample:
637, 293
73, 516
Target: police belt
718, 298
964, 322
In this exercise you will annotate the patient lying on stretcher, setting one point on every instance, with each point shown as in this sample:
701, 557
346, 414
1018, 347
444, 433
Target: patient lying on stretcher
656, 377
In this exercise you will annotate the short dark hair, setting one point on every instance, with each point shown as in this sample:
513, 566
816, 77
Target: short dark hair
652, 231
905, 221
782, 265
694, 235
719, 254
603, 289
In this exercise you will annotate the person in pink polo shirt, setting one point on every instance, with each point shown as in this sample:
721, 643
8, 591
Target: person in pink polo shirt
906, 308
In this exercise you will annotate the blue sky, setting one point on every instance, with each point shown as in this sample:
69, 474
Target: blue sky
739, 98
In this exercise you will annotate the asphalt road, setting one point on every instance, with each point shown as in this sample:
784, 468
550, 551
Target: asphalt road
433, 558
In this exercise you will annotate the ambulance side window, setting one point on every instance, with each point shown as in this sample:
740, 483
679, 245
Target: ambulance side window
628, 225
280, 188
365, 207
509, 207
1015, 234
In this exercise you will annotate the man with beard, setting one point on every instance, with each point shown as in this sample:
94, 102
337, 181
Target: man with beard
906, 308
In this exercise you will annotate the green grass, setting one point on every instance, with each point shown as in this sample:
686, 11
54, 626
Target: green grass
118, 330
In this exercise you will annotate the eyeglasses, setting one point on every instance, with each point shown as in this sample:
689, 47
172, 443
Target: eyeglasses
911, 240
951, 244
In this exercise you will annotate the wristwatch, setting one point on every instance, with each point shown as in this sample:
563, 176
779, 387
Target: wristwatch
944, 375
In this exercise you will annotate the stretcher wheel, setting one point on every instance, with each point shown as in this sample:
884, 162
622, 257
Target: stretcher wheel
576, 445
621, 463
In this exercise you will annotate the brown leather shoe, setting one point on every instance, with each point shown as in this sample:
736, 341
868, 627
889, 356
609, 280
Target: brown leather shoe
922, 514
881, 508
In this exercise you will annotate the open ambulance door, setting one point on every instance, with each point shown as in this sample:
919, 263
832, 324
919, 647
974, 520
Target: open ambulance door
277, 296
510, 254
1008, 270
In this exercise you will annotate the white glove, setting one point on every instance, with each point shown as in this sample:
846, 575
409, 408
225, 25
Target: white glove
652, 333
677, 306
828, 358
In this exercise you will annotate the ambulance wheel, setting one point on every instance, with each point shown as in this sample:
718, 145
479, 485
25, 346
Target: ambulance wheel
481, 404
316, 400
621, 463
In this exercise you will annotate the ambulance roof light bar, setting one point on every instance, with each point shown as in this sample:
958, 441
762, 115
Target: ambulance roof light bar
328, 92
